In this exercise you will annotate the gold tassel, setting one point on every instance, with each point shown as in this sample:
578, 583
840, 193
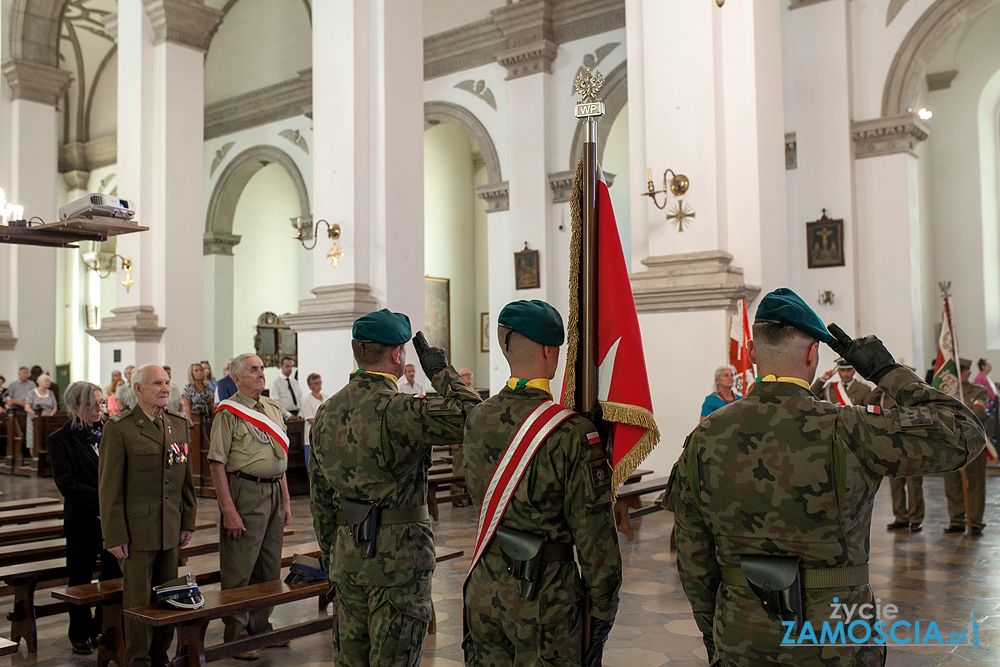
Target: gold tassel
633, 415
575, 250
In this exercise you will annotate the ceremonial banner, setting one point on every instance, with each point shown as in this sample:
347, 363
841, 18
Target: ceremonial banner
946, 363
623, 386
739, 353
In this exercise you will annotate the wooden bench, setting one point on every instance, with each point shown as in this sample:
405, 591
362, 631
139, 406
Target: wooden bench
627, 494
435, 483
7, 647
27, 502
29, 514
191, 624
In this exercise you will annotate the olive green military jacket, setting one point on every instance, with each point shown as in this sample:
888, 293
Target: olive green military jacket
565, 494
144, 502
372, 443
976, 398
783, 473
857, 391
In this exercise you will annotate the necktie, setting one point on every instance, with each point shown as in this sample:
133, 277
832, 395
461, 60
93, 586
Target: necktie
291, 391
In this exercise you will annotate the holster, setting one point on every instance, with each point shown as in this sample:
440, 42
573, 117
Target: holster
522, 552
777, 581
362, 517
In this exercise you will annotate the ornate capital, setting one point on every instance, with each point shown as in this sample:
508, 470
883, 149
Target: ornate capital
791, 151
78, 156
38, 83
689, 281
497, 196
184, 22
131, 323
334, 307
561, 184
886, 136
7, 340
528, 59
76, 179
219, 243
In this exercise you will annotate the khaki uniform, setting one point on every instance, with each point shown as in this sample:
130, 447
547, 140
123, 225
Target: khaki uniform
975, 472
564, 496
781, 473
857, 391
254, 557
146, 501
371, 443
907, 492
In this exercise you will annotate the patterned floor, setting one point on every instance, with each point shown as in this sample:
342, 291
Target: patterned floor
928, 575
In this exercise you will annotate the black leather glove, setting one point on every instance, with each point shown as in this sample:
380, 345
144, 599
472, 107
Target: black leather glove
710, 647
599, 631
432, 359
867, 354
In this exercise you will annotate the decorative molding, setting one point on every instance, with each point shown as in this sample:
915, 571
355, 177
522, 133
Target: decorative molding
7, 339
561, 184
689, 281
219, 243
791, 151
453, 113
278, 101
296, 138
96, 153
592, 60
887, 136
76, 179
183, 22
941, 80
529, 59
894, 7
220, 155
479, 89
37, 83
509, 30
129, 323
333, 307
796, 4
497, 197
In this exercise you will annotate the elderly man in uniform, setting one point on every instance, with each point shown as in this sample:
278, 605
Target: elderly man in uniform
524, 594
847, 391
773, 494
147, 503
248, 457
371, 448
975, 472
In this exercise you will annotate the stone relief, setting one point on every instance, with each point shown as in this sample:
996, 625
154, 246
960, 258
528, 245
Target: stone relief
220, 155
296, 138
479, 89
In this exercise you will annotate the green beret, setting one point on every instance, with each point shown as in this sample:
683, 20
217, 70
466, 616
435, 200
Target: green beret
535, 320
783, 306
383, 326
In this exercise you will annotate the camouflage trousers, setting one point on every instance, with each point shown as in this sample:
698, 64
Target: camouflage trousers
381, 626
502, 628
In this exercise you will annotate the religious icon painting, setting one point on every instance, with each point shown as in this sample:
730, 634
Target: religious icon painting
825, 242
526, 272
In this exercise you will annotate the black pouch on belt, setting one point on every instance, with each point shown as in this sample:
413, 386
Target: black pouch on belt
778, 583
522, 552
362, 517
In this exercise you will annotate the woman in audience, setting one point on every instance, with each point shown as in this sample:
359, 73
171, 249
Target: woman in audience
984, 380
41, 403
109, 391
112, 405
73, 452
725, 380
310, 404
198, 394
209, 378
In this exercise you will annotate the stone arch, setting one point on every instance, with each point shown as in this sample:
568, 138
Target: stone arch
615, 95
219, 237
446, 112
924, 39
34, 31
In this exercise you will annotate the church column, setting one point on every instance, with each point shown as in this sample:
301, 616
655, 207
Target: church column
161, 47
28, 306
368, 171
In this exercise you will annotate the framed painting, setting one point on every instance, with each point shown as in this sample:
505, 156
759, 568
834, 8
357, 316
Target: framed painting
526, 274
825, 242
484, 332
437, 311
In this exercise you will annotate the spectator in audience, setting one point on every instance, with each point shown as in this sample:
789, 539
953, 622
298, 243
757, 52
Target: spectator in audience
35, 372
125, 394
226, 387
984, 380
174, 402
310, 404
209, 378
41, 403
109, 390
17, 394
112, 404
285, 390
725, 380
198, 394
73, 451
408, 383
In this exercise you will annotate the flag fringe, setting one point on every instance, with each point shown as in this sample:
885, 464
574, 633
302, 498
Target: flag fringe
575, 251
632, 415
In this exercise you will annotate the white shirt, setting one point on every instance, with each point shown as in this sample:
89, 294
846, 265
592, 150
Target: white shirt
174, 400
280, 393
310, 404
415, 388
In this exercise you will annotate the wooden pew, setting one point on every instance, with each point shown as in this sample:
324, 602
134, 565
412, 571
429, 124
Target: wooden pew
7, 647
627, 493
29, 514
435, 483
26, 503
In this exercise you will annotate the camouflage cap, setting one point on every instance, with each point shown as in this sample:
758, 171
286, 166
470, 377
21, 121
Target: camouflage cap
383, 326
535, 320
783, 306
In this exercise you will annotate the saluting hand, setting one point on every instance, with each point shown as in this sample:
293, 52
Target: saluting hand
829, 374
232, 522
432, 359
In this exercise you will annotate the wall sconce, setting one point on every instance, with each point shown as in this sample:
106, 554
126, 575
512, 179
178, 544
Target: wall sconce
678, 185
307, 230
105, 265
9, 212
826, 297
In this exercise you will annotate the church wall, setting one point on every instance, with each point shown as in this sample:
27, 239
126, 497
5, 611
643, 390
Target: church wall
442, 15
481, 370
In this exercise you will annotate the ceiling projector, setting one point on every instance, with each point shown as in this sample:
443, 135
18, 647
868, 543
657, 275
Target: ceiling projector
96, 205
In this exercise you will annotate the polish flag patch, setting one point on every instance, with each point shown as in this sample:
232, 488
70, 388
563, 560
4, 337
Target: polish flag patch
874, 410
594, 438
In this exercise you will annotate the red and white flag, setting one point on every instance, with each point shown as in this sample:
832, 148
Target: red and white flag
623, 386
739, 353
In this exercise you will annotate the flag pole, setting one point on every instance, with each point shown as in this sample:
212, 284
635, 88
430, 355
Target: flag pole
945, 288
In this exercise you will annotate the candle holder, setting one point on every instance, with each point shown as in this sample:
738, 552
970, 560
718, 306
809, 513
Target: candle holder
677, 185
309, 230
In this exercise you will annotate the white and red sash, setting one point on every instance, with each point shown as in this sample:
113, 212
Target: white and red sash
841, 395
514, 462
258, 419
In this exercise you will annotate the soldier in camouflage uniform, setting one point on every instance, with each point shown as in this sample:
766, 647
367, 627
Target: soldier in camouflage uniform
907, 492
975, 473
781, 473
372, 444
565, 496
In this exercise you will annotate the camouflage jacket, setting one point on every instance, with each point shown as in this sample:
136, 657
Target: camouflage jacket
562, 495
783, 473
372, 443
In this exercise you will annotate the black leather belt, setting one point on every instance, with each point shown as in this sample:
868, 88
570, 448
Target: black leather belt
259, 480
551, 551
